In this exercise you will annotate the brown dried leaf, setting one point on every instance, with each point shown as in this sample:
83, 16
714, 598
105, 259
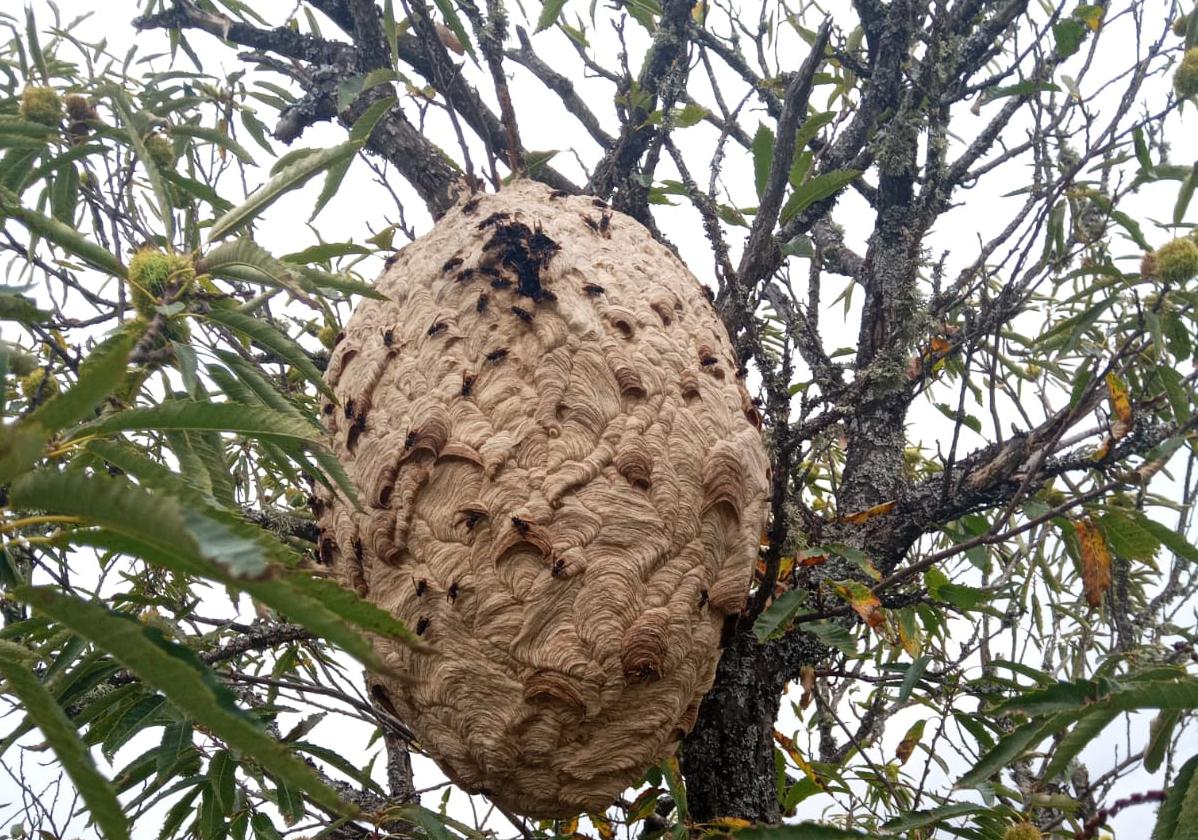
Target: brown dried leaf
1096, 560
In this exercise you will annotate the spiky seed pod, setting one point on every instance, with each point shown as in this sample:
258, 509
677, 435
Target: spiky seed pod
152, 273
41, 104
1185, 77
327, 335
545, 500
1023, 831
1177, 261
36, 383
162, 152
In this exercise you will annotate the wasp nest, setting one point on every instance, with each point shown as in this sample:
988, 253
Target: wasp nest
562, 486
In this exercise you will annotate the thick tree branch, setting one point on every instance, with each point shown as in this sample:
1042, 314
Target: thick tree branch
662, 77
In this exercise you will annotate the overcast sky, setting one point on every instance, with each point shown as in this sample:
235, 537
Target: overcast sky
362, 206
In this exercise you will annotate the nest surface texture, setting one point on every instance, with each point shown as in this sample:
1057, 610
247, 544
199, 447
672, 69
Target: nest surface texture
562, 487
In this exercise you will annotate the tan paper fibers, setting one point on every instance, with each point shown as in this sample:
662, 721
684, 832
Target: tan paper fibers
562, 485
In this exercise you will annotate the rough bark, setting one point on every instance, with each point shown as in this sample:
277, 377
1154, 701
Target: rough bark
728, 759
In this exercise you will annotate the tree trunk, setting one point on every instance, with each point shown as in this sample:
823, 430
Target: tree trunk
728, 759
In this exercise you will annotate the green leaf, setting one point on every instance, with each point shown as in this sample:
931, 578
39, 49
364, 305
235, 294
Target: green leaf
214, 136
1126, 537
773, 622
224, 260
834, 635
134, 128
291, 804
65, 237
99, 376
817, 189
921, 819
1086, 730
222, 773
763, 156
198, 542
1172, 540
1178, 814
1011, 746
290, 177
360, 133
1184, 194
20, 447
21, 309
1160, 734
252, 421
1068, 35
264, 829
550, 11
911, 677
44, 712
270, 338
1061, 696
353, 609
1026, 88
445, 7
178, 673
798, 831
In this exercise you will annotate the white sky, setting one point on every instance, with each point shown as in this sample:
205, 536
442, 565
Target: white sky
545, 125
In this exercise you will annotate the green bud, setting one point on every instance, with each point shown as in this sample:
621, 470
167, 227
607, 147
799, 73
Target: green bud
41, 105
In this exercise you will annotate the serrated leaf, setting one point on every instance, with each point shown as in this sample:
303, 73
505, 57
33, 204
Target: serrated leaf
354, 609
1180, 807
214, 136
200, 543
65, 237
1184, 194
1125, 535
922, 819
775, 619
1160, 734
1085, 731
1009, 748
99, 375
289, 178
798, 831
178, 673
360, 134
816, 189
550, 11
44, 712
763, 156
269, 337
252, 421
445, 7
1169, 538
222, 771
133, 128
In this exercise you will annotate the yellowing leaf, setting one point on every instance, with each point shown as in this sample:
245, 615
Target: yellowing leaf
863, 601
787, 745
730, 822
644, 805
1120, 406
603, 826
807, 681
863, 516
1090, 15
907, 745
1095, 558
570, 827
